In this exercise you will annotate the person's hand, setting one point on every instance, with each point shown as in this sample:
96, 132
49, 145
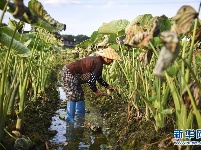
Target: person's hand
111, 88
98, 94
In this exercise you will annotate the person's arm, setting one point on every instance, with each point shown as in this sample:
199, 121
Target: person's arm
92, 85
104, 83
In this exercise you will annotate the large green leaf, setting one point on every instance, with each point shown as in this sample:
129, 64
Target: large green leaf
13, 24
17, 46
84, 44
23, 38
95, 37
7, 30
165, 23
39, 10
114, 27
142, 20
36, 15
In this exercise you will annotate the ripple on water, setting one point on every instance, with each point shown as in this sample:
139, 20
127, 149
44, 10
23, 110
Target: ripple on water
85, 139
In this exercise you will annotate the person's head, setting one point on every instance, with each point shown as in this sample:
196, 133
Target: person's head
107, 61
108, 55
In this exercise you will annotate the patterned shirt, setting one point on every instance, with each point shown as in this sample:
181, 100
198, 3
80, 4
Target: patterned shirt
88, 70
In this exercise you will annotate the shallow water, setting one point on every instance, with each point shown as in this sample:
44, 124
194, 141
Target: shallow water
84, 138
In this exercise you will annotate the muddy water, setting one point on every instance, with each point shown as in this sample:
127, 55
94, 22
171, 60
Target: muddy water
85, 138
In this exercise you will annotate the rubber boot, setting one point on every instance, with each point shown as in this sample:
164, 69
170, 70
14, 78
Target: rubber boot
80, 108
70, 111
70, 131
80, 114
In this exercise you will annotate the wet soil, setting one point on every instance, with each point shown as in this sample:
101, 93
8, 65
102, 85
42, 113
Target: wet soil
38, 117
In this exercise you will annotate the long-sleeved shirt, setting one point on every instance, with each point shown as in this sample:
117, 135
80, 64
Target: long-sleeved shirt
88, 70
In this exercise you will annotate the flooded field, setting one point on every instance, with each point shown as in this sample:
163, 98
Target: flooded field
91, 136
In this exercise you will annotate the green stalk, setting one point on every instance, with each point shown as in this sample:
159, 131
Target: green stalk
14, 86
125, 73
2, 87
196, 111
12, 98
180, 113
187, 76
24, 74
3, 12
9, 92
183, 65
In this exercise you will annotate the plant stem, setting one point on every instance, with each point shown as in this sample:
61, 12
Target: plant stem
4, 10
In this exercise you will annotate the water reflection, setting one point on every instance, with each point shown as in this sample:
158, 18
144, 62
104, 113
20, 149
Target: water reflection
78, 137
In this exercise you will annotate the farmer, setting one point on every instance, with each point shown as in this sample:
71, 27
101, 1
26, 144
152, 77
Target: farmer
86, 70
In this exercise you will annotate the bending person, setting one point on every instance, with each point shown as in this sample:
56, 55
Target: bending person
86, 70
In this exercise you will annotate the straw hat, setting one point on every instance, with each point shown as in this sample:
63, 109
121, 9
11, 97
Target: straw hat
108, 53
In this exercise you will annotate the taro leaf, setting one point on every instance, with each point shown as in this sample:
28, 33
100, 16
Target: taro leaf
184, 18
141, 20
165, 23
114, 27
112, 38
16, 45
137, 31
7, 30
94, 36
24, 38
103, 42
132, 31
31, 18
39, 10
13, 24
27, 16
44, 25
84, 44
167, 111
106, 40
156, 42
142, 29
